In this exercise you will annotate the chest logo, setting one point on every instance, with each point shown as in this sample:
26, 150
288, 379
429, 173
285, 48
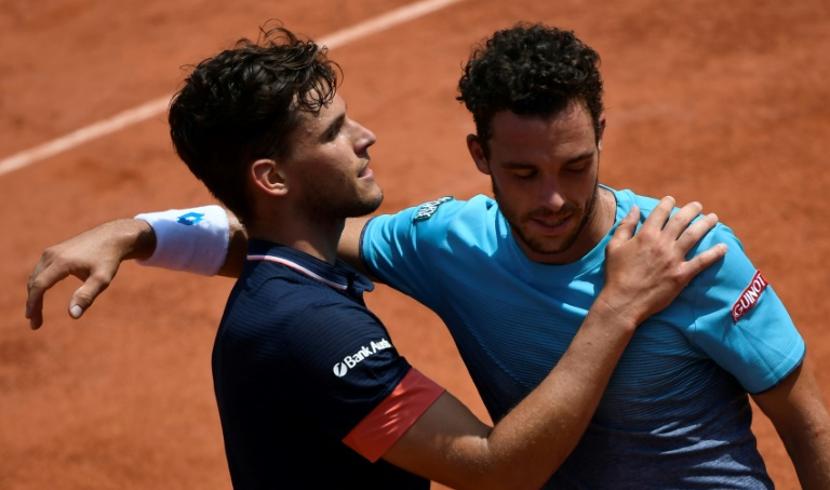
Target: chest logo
427, 209
749, 297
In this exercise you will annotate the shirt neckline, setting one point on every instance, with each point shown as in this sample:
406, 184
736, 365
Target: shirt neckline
588, 262
339, 276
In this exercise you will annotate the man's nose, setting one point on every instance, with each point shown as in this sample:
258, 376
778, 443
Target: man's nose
365, 139
551, 196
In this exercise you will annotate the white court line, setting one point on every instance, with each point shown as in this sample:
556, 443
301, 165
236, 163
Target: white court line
158, 106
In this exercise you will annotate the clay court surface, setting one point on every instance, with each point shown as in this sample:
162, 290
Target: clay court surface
724, 102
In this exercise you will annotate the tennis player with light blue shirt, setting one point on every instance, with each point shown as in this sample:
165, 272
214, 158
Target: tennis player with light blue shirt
678, 395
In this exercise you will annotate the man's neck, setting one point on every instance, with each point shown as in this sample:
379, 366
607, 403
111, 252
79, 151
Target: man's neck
319, 240
605, 214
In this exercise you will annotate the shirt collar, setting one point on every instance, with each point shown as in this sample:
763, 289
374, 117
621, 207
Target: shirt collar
339, 276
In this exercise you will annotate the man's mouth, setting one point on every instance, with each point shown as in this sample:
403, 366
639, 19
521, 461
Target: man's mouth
365, 172
551, 223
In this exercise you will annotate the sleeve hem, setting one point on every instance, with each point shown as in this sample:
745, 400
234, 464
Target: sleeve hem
393, 416
792, 362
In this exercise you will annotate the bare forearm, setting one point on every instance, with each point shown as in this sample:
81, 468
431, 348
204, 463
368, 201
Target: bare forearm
135, 238
796, 407
803, 423
810, 454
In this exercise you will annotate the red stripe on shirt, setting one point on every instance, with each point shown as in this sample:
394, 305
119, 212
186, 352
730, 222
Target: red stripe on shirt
393, 416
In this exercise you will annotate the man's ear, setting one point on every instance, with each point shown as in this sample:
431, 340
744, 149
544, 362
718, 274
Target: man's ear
268, 176
474, 146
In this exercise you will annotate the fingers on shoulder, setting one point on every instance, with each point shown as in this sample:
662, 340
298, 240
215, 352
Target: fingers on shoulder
697, 230
626, 228
704, 259
657, 218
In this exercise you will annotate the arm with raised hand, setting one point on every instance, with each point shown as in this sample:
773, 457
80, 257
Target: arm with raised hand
95, 255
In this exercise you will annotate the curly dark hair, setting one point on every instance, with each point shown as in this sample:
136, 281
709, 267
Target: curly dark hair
530, 69
243, 104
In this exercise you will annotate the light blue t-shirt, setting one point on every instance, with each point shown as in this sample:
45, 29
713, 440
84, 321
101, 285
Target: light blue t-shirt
675, 413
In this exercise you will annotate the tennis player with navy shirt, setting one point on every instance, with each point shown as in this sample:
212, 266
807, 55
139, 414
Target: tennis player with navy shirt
310, 388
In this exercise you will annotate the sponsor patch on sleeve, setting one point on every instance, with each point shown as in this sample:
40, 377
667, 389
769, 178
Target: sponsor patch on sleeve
341, 368
749, 297
427, 209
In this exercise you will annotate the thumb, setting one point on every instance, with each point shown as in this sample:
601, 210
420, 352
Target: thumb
84, 296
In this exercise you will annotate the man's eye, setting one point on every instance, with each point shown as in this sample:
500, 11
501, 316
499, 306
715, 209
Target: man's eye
331, 133
577, 168
526, 174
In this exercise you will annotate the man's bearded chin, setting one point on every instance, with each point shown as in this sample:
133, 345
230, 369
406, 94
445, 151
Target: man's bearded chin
538, 246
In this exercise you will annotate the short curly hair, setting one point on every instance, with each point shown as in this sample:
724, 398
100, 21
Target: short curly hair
243, 104
530, 69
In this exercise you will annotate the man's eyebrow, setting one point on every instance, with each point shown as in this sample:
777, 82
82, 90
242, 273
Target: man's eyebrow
579, 158
575, 159
517, 165
333, 127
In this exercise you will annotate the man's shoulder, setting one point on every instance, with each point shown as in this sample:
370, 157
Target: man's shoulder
285, 298
265, 285
408, 249
442, 210
720, 233
627, 198
301, 322
434, 219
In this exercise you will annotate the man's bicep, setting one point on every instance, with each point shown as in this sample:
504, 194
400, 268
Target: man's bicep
795, 404
442, 445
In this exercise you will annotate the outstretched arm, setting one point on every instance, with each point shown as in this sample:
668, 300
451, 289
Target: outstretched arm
95, 255
644, 272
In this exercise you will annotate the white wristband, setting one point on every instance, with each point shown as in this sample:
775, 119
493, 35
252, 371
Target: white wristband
193, 240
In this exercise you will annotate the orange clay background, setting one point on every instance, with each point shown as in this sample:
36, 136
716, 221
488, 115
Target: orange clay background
723, 102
